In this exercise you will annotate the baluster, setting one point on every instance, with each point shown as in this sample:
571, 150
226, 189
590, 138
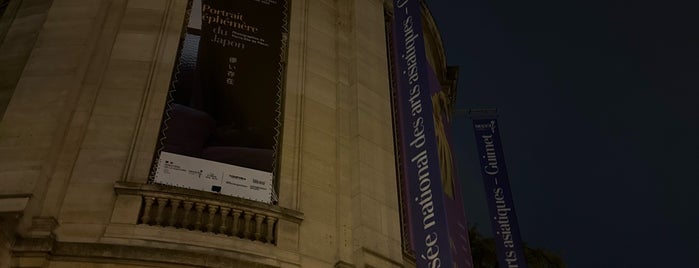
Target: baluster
174, 204
270, 229
146, 209
212, 214
187, 209
258, 226
200, 211
236, 221
224, 218
248, 216
161, 206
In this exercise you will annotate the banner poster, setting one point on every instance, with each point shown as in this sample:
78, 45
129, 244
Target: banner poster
222, 119
508, 242
453, 201
420, 166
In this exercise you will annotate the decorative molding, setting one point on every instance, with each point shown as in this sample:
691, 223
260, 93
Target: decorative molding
342, 264
290, 159
15, 203
152, 104
42, 227
111, 253
25, 246
387, 260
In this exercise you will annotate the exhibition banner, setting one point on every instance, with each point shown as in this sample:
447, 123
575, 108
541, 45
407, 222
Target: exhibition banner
204, 175
419, 154
453, 201
240, 68
508, 242
222, 117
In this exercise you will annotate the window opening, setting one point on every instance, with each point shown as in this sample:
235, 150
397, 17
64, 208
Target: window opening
222, 122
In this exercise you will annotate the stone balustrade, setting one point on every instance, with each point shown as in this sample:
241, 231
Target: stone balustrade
172, 207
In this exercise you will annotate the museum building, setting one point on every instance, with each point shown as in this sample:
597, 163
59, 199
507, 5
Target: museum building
200, 133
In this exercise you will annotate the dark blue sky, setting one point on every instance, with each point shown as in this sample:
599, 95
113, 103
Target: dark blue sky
599, 115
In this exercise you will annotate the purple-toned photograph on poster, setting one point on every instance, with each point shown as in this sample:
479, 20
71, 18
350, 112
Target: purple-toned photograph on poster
508, 242
453, 201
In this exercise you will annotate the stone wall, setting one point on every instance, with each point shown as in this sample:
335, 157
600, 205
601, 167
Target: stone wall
79, 134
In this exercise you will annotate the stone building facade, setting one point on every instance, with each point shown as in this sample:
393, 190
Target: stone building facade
83, 86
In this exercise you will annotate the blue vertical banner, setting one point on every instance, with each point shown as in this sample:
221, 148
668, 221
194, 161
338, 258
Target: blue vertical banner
453, 203
508, 242
419, 153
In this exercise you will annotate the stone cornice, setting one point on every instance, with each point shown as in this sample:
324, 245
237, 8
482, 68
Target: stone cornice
97, 252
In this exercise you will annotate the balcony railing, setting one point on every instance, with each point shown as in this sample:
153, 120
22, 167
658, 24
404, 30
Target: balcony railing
185, 209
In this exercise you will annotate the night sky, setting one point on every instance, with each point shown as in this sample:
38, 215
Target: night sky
599, 116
